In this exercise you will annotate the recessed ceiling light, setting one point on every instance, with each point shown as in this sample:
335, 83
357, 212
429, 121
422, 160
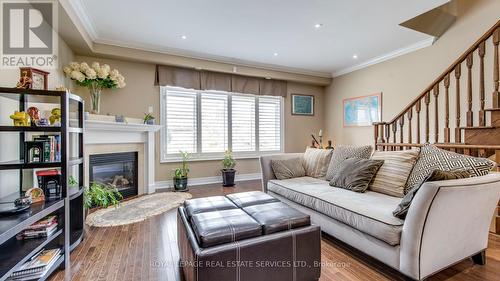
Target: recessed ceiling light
275, 54
183, 37
354, 56
318, 25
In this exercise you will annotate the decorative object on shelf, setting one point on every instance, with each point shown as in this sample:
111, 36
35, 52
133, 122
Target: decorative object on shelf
95, 78
362, 111
61, 88
55, 117
32, 78
149, 119
38, 266
320, 135
50, 181
302, 105
329, 145
23, 201
36, 194
9, 208
34, 114
181, 174
34, 151
100, 195
43, 122
25, 81
228, 171
42, 228
120, 119
137, 209
21, 119
314, 142
72, 182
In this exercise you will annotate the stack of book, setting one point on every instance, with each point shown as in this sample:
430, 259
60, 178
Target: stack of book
37, 266
51, 147
42, 228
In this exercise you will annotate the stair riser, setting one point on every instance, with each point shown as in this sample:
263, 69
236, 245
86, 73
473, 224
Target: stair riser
482, 136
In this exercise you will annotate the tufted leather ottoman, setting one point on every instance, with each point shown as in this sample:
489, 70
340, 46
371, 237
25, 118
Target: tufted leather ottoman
246, 236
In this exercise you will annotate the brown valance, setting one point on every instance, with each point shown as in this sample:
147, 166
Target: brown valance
209, 80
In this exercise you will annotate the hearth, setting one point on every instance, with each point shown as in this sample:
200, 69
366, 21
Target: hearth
116, 169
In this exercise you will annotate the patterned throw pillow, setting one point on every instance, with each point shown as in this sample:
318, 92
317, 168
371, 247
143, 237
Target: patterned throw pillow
355, 174
433, 158
287, 169
316, 161
343, 152
391, 178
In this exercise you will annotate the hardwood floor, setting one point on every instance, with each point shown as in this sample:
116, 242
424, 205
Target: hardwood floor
148, 251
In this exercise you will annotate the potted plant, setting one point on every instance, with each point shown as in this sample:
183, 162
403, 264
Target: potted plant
149, 119
100, 195
181, 174
228, 170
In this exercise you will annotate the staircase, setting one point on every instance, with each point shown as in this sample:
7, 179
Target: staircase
458, 112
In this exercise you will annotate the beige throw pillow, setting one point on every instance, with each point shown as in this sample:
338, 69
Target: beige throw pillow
288, 169
391, 178
316, 161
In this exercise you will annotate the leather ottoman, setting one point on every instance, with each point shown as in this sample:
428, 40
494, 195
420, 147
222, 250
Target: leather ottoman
245, 237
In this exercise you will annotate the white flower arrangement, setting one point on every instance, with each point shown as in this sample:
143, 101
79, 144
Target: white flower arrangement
95, 75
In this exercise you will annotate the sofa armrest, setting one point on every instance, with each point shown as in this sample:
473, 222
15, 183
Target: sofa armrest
447, 222
265, 166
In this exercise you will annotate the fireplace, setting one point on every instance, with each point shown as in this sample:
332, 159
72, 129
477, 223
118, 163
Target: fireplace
116, 169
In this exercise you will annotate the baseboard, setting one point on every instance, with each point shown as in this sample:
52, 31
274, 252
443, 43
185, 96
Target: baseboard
206, 180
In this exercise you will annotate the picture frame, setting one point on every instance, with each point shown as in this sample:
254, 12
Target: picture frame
362, 111
302, 105
39, 78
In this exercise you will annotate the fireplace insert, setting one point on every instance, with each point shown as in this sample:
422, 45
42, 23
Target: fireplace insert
115, 169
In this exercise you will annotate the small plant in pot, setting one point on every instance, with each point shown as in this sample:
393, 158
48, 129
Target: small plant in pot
228, 170
148, 119
181, 174
100, 196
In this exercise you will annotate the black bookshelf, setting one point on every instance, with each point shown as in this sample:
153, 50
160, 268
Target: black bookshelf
69, 208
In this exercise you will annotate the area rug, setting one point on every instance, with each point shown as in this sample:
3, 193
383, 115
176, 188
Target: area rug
137, 209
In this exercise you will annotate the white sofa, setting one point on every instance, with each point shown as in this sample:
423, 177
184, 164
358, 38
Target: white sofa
447, 222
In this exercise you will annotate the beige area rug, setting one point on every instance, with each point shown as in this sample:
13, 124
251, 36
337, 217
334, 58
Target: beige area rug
138, 209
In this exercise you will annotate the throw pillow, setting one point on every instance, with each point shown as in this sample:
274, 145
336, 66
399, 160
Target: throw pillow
343, 152
316, 161
436, 175
391, 178
355, 174
287, 169
433, 158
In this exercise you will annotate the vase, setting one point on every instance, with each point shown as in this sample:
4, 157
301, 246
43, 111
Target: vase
95, 98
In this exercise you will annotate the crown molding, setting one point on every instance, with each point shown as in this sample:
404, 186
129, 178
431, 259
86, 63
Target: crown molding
399, 52
80, 10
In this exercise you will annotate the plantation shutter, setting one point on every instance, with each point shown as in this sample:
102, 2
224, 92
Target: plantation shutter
214, 123
243, 123
269, 124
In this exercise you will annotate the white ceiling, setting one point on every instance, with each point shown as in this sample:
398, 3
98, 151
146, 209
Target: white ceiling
251, 31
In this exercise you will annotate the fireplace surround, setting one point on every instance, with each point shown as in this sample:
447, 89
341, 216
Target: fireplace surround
116, 169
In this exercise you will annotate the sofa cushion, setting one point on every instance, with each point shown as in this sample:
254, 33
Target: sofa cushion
277, 216
316, 161
288, 168
355, 174
207, 204
220, 227
368, 212
433, 158
343, 152
244, 199
391, 178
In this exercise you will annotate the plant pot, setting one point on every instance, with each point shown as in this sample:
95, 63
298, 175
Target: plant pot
181, 184
228, 177
150, 122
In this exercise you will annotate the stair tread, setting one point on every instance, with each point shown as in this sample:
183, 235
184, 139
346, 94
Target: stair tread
492, 109
478, 127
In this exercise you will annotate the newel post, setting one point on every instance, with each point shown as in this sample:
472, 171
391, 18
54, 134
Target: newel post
379, 133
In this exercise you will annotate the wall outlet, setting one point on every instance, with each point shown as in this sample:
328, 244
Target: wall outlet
150, 109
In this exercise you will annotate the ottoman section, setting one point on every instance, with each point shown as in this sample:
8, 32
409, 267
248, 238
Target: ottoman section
220, 227
277, 216
245, 199
207, 204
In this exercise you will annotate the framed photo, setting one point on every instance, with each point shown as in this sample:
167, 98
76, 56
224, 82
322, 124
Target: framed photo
362, 111
302, 105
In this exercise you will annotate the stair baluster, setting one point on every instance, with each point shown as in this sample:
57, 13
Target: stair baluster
417, 109
436, 113
401, 132
482, 114
458, 132
409, 115
447, 108
496, 76
394, 130
387, 134
427, 100
470, 115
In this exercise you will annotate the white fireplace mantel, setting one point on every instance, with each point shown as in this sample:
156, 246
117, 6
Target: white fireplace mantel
106, 132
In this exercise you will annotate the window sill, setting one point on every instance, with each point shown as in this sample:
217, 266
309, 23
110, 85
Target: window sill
216, 158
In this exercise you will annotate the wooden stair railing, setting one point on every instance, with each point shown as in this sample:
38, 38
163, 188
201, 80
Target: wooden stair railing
473, 136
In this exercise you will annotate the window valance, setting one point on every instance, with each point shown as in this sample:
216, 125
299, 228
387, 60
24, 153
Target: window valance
209, 80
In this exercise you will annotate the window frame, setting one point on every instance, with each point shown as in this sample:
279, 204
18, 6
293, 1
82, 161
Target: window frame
205, 156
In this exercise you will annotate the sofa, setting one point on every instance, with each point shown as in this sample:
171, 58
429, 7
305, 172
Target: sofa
447, 221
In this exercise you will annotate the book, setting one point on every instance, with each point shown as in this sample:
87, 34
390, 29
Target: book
43, 223
37, 266
30, 234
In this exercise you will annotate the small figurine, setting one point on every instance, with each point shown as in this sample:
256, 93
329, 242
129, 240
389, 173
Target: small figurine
43, 122
55, 117
34, 113
36, 194
25, 81
21, 118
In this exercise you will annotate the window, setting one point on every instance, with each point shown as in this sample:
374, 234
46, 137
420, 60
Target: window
207, 123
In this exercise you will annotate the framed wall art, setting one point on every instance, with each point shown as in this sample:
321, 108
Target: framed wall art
362, 111
302, 105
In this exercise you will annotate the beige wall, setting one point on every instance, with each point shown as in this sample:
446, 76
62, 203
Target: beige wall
403, 78
140, 93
